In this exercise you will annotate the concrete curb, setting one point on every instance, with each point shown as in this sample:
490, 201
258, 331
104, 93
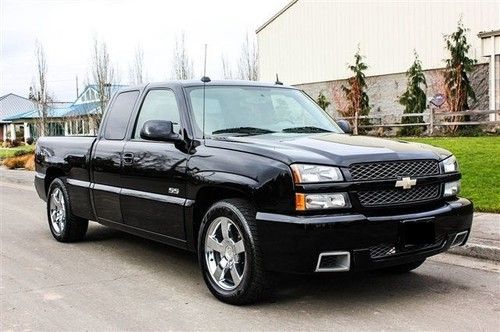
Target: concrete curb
477, 248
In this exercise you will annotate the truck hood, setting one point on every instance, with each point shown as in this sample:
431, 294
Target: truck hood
327, 148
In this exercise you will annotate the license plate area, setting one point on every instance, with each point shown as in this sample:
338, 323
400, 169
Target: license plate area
417, 232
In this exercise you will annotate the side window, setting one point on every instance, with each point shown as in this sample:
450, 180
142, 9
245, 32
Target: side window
119, 114
158, 105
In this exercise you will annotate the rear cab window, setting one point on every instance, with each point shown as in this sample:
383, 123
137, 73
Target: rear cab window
119, 114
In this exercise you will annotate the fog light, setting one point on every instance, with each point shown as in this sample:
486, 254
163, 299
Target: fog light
321, 201
451, 188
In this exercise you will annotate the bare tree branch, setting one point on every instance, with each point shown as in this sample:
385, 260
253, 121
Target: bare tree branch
103, 75
248, 65
182, 64
38, 90
136, 70
227, 71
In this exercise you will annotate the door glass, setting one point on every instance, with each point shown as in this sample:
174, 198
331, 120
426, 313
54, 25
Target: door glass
158, 105
119, 114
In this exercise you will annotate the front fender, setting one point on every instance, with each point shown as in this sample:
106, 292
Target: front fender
224, 180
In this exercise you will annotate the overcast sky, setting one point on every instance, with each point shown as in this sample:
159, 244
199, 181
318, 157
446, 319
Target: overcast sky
66, 30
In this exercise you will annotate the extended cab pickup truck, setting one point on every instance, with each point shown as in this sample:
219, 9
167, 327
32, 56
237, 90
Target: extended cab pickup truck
255, 178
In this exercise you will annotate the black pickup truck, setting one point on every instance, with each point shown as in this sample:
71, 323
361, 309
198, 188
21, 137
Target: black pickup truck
255, 178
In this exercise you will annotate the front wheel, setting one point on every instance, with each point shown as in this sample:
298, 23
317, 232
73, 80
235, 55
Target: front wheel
64, 226
229, 254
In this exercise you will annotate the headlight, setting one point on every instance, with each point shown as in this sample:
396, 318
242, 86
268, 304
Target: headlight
303, 173
450, 164
321, 201
451, 188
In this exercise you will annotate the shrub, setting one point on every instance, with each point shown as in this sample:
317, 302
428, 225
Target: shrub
26, 161
322, 101
356, 94
15, 143
30, 140
458, 67
414, 99
30, 163
7, 143
19, 153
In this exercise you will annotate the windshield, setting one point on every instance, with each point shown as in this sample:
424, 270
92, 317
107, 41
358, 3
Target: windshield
257, 110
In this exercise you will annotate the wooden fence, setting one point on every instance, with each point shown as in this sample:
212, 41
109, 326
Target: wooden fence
432, 119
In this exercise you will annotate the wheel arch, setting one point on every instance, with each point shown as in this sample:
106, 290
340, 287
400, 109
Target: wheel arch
206, 197
50, 174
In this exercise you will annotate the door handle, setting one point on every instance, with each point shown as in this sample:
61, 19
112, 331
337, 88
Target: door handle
128, 158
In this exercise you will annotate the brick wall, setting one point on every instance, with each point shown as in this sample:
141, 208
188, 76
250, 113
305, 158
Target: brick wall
384, 91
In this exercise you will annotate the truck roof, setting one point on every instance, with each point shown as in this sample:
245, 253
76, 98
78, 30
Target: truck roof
194, 83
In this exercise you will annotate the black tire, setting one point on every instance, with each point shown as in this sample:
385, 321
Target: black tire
74, 228
253, 282
404, 268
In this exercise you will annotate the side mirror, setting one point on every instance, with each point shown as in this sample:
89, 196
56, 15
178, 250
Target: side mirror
159, 130
345, 126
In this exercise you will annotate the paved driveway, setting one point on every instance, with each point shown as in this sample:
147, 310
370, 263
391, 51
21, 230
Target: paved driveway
115, 281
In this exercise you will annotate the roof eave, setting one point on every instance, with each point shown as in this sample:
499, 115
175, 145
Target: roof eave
275, 16
486, 34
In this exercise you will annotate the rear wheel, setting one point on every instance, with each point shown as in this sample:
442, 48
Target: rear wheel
404, 268
64, 226
228, 252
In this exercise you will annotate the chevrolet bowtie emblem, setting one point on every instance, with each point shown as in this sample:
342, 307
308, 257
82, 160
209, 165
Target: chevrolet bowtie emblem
406, 183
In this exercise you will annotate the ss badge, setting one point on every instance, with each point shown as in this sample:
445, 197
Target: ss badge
173, 191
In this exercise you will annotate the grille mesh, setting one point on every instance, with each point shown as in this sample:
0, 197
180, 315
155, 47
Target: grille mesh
393, 169
384, 249
398, 196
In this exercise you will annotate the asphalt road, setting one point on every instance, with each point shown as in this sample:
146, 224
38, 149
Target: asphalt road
115, 281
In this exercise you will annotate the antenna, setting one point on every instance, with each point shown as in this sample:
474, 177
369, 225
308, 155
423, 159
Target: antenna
205, 79
278, 80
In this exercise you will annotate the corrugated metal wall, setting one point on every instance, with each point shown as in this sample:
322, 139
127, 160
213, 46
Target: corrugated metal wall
314, 41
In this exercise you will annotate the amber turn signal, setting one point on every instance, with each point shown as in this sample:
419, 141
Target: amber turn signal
300, 202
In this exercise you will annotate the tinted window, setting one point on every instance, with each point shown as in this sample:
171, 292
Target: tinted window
119, 114
158, 105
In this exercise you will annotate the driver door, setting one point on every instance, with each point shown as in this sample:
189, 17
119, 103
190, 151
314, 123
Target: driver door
154, 172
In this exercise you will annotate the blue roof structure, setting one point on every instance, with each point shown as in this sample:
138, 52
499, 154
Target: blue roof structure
77, 108
12, 104
51, 113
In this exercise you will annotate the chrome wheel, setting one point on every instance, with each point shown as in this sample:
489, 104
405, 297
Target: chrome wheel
57, 210
225, 253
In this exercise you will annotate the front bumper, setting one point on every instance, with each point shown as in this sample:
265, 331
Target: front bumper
39, 182
294, 243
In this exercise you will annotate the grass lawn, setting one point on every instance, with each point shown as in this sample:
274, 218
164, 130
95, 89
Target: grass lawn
9, 152
479, 162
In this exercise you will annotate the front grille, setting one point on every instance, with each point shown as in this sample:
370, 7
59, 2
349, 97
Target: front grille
385, 250
393, 169
398, 196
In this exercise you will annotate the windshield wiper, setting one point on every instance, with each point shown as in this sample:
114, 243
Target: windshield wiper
243, 130
306, 129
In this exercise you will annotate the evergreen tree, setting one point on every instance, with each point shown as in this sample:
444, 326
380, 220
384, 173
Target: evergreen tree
458, 66
414, 98
356, 94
